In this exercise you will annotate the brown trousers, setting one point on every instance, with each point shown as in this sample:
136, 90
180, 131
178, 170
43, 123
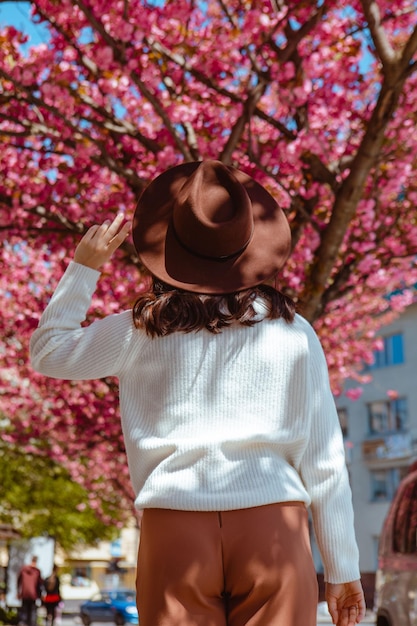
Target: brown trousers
249, 567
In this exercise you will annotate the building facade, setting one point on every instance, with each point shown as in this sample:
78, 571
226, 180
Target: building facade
380, 431
108, 565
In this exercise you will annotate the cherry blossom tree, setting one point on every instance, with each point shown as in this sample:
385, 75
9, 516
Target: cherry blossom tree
316, 100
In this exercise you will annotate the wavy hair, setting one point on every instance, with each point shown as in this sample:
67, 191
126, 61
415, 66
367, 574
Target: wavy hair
165, 309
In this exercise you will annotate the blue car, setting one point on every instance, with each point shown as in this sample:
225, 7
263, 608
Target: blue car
117, 606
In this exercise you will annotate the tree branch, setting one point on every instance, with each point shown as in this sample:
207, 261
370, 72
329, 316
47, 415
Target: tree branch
295, 36
251, 56
192, 140
202, 78
105, 158
383, 47
123, 127
409, 52
350, 193
120, 56
248, 108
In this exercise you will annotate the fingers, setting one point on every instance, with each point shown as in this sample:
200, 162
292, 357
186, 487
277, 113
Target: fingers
346, 602
109, 234
107, 229
90, 232
361, 610
114, 226
347, 616
352, 613
100, 242
117, 232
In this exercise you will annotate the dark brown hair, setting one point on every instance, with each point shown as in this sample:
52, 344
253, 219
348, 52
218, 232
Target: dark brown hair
165, 309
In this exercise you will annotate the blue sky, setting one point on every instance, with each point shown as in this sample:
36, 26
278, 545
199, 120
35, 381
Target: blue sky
17, 14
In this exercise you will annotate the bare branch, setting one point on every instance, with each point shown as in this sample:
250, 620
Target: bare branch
301, 208
318, 170
77, 131
248, 50
253, 98
120, 56
409, 51
383, 47
84, 61
113, 125
192, 140
147, 94
396, 69
123, 126
205, 80
347, 199
411, 69
98, 27
295, 36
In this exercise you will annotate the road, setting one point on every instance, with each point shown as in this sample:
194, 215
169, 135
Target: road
75, 621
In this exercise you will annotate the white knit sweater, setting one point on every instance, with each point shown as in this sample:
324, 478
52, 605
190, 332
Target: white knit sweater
214, 422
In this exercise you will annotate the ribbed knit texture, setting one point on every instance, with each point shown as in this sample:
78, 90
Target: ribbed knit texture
214, 422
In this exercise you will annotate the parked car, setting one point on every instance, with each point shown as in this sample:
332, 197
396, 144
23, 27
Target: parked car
117, 606
396, 577
77, 589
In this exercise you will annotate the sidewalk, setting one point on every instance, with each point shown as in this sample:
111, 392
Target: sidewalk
370, 618
73, 619
70, 616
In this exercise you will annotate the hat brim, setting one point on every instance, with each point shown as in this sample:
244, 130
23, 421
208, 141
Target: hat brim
163, 255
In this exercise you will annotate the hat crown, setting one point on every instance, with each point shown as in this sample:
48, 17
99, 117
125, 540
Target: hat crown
210, 228
212, 215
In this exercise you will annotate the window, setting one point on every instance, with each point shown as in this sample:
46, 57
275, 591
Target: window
405, 521
384, 483
387, 416
343, 419
391, 354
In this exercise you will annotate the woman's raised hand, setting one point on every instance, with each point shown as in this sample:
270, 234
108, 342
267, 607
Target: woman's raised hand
100, 242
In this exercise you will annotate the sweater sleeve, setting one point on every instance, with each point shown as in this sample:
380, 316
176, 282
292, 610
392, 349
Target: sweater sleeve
324, 472
62, 348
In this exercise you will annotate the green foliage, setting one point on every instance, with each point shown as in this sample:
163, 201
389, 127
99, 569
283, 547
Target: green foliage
8, 616
38, 497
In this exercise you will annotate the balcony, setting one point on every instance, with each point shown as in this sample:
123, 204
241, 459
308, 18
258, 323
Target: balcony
388, 447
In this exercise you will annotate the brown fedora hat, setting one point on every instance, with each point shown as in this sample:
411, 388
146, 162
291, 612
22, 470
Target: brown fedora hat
209, 228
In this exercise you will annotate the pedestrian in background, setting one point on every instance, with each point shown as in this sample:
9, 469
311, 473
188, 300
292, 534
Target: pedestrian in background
29, 589
230, 426
52, 595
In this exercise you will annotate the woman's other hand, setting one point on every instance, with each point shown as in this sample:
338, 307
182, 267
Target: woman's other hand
346, 603
100, 242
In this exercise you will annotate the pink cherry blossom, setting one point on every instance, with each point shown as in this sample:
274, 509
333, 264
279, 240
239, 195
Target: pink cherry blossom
354, 394
122, 91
